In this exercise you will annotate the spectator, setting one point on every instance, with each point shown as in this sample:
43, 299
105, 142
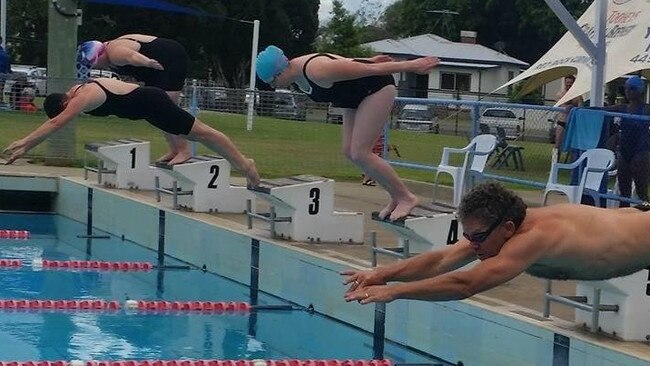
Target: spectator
378, 149
16, 91
26, 102
633, 161
5, 70
563, 116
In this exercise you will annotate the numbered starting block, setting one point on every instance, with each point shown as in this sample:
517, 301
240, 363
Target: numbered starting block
302, 209
427, 227
623, 302
122, 164
202, 184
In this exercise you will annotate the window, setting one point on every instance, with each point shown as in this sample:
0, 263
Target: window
454, 81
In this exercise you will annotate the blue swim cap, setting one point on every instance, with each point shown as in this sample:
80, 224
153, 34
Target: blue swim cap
270, 63
635, 83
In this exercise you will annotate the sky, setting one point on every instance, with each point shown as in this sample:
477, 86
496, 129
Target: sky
350, 5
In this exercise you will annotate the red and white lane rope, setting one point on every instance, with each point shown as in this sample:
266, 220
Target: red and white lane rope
150, 306
292, 362
14, 234
63, 265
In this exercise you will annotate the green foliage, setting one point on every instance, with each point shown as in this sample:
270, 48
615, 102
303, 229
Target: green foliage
533, 97
342, 34
219, 47
26, 30
521, 28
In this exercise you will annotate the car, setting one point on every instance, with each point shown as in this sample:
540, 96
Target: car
491, 118
418, 117
282, 103
334, 115
34, 76
97, 73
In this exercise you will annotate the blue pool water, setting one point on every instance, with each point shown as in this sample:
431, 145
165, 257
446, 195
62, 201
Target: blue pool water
123, 335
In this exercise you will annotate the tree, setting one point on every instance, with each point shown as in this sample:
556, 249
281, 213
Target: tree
341, 35
521, 28
27, 32
218, 46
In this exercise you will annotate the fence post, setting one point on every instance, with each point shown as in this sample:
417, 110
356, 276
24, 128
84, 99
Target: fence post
194, 111
475, 120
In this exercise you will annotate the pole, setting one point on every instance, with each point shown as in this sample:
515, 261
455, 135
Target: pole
251, 85
596, 50
3, 22
598, 72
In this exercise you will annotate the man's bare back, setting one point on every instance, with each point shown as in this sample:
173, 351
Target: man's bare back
585, 243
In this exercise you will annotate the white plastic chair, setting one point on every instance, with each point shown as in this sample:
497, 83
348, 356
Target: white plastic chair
598, 163
479, 149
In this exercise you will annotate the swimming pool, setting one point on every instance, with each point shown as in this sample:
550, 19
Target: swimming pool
125, 335
480, 332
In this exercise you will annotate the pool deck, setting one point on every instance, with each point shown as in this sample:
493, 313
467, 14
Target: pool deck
522, 296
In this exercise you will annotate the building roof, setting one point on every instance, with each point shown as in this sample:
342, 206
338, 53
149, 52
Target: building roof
446, 50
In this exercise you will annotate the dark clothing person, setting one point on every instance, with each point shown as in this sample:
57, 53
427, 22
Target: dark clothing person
633, 163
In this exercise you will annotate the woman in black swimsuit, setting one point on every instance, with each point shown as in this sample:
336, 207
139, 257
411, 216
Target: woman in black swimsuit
104, 97
366, 91
151, 60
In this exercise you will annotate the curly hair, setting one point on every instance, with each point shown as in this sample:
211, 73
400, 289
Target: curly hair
489, 202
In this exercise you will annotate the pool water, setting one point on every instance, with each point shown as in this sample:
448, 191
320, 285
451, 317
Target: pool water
122, 335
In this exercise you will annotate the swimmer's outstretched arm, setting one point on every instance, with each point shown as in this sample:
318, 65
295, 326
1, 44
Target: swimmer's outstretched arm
125, 56
425, 265
20, 147
333, 70
509, 263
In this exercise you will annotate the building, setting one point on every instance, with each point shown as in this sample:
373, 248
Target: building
467, 70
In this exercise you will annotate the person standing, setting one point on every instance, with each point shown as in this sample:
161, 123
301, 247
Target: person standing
562, 117
633, 158
5, 69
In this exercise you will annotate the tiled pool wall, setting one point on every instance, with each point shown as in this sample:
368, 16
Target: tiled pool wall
455, 331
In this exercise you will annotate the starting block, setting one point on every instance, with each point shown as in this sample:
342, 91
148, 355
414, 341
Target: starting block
302, 209
427, 227
623, 302
122, 163
202, 184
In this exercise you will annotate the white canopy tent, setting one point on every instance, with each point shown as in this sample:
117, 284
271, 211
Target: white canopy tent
627, 36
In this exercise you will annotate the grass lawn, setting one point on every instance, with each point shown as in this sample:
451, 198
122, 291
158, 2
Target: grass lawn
279, 147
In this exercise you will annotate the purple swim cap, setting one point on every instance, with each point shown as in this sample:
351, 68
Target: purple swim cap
88, 53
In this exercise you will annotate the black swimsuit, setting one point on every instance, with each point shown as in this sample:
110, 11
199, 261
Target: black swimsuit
347, 93
171, 55
148, 103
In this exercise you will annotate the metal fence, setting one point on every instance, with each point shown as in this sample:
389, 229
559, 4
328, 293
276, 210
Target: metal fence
417, 131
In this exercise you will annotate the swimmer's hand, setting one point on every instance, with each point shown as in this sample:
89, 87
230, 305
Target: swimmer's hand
15, 150
361, 279
154, 64
423, 65
366, 295
251, 174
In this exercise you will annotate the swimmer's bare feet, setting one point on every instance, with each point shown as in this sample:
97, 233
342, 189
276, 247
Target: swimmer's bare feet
251, 174
180, 158
387, 210
403, 208
166, 158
